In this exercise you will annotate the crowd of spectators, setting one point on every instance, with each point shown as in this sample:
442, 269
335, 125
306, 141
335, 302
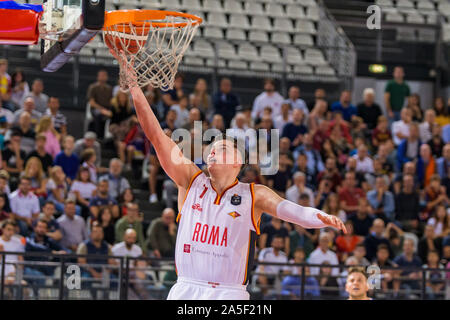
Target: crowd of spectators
384, 171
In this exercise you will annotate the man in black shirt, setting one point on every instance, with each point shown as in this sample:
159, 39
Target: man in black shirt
13, 157
375, 238
407, 205
361, 219
225, 102
368, 110
41, 154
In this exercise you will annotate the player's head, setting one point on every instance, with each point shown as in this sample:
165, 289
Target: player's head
357, 285
226, 156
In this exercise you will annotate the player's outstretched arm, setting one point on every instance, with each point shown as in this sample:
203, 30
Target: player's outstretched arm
178, 168
266, 200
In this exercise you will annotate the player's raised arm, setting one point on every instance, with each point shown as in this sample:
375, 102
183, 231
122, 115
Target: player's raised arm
177, 167
271, 203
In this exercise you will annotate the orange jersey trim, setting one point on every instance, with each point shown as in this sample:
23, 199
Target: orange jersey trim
256, 225
219, 197
187, 190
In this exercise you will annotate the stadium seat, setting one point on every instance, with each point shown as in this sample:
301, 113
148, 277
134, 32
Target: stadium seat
312, 13
425, 35
305, 26
278, 67
270, 53
446, 32
394, 17
325, 71
190, 5
314, 57
406, 34
261, 23
303, 69
294, 56
384, 3
253, 8
444, 8
431, 17
217, 19
212, 6
239, 21
294, 11
226, 50
425, 5
303, 40
405, 4
283, 24
212, 32
258, 36
212, 63
307, 3
259, 66
286, 1
247, 51
237, 64
274, 10
235, 34
281, 38
415, 18
203, 48
233, 6
171, 4
193, 61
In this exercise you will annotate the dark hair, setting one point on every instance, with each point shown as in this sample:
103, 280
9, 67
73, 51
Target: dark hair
25, 178
299, 249
357, 270
360, 245
277, 236
383, 246
49, 202
9, 222
42, 220
122, 196
13, 77
304, 196
82, 169
102, 211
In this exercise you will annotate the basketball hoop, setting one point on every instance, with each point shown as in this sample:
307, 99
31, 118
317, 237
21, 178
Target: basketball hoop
153, 42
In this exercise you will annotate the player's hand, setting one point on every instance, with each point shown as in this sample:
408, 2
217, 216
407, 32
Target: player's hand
332, 221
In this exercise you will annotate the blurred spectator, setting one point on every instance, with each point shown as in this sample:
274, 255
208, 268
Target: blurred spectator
375, 238
67, 160
329, 287
4, 207
349, 194
28, 106
435, 194
128, 247
315, 163
295, 101
346, 243
5, 83
40, 153
429, 242
194, 116
435, 279
45, 127
330, 172
126, 197
53, 229
267, 274
426, 165
409, 149
426, 127
285, 116
33, 171
173, 96
6, 120
225, 101
400, 129
299, 187
84, 190
407, 205
436, 142
272, 229
19, 88
382, 200
13, 157
323, 253
59, 120
345, 106
319, 96
414, 105
441, 110
133, 220
281, 181
181, 108
9, 242
300, 238
359, 254
162, 234
408, 259
89, 141
26, 132
72, 227
24, 205
364, 162
40, 99
58, 188
382, 261
362, 221
106, 221
102, 199
381, 132
217, 123
88, 159
396, 91
117, 183
269, 98
295, 129
200, 98
369, 110
332, 206
440, 221
99, 95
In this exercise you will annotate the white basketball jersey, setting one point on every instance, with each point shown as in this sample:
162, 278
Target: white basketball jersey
216, 233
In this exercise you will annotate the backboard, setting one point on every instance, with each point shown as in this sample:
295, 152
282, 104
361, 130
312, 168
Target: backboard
65, 27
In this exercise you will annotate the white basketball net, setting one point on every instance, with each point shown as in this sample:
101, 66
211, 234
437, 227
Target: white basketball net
153, 52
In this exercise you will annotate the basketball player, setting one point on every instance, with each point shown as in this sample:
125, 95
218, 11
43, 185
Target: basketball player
357, 284
219, 216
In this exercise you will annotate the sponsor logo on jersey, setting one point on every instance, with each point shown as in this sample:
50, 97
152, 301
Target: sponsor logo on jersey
214, 235
187, 248
236, 200
196, 206
234, 214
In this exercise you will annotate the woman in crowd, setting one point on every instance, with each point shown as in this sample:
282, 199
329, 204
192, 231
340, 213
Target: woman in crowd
201, 99
52, 143
346, 243
441, 109
414, 106
34, 171
125, 198
440, 221
106, 221
19, 88
88, 159
84, 190
332, 206
121, 112
58, 189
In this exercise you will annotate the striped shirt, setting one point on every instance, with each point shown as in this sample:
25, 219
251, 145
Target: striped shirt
58, 119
